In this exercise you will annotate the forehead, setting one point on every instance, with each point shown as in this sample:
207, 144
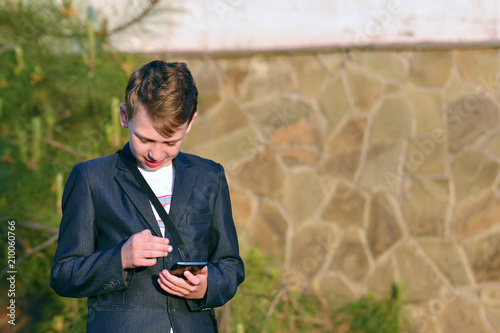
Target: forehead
143, 126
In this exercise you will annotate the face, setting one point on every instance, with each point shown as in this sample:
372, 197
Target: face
151, 149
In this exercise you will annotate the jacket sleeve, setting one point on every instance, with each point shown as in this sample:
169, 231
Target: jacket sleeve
225, 267
79, 270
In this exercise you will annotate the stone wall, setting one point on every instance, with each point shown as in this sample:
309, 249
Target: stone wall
360, 169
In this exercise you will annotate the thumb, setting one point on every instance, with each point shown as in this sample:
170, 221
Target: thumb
146, 232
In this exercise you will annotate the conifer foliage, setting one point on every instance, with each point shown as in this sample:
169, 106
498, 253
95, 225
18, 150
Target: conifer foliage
60, 86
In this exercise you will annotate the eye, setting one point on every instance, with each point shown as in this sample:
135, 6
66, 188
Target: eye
143, 140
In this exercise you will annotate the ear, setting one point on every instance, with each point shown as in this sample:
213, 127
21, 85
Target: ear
123, 115
191, 122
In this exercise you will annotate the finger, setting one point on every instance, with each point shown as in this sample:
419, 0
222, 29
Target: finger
145, 262
146, 232
166, 283
170, 278
166, 288
163, 281
147, 235
191, 278
158, 240
154, 239
148, 254
154, 247
145, 241
177, 284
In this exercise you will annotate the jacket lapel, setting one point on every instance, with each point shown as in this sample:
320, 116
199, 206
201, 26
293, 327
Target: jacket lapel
185, 179
135, 193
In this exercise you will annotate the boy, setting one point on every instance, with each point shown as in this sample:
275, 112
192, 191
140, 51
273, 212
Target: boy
114, 248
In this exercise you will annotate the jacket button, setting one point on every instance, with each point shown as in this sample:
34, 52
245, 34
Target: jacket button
169, 259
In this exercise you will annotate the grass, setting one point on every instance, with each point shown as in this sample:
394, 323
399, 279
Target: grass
270, 302
373, 315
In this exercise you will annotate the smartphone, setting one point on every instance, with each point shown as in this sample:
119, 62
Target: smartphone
193, 266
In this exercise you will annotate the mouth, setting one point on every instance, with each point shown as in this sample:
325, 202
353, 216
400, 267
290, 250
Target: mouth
152, 164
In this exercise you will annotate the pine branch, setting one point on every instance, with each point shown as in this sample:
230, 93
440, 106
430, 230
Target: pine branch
133, 21
39, 226
270, 311
61, 146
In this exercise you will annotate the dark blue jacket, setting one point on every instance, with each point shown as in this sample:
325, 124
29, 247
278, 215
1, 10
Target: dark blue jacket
103, 206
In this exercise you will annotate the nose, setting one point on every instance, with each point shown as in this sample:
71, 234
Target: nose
155, 152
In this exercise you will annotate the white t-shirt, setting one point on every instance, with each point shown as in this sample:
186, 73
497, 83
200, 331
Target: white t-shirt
162, 183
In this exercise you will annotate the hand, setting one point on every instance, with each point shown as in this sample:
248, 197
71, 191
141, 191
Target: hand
142, 249
194, 287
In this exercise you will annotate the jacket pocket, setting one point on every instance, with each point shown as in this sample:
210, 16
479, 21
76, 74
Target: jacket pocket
196, 229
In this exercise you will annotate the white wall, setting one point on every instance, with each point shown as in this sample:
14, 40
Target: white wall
250, 25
